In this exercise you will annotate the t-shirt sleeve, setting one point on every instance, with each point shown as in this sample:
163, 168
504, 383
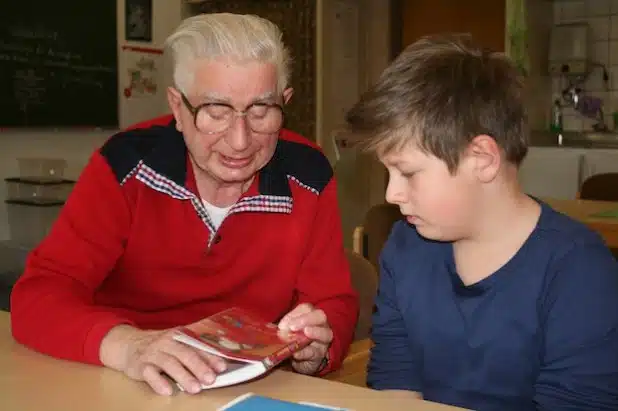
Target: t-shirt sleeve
393, 363
579, 368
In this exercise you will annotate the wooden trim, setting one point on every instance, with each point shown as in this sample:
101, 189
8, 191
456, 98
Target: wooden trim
358, 237
396, 26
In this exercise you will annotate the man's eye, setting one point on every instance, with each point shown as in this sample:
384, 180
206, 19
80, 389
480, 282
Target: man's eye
218, 111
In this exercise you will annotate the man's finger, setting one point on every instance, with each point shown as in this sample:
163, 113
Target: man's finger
157, 382
216, 363
320, 334
299, 310
172, 366
202, 366
307, 353
311, 319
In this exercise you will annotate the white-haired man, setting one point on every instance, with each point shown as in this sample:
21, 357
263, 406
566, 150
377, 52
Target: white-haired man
218, 207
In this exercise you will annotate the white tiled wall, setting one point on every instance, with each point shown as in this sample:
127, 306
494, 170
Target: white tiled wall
602, 16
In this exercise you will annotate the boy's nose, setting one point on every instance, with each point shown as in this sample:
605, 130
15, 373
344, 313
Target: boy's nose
394, 195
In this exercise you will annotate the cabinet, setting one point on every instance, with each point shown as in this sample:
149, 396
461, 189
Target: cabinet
598, 162
559, 172
551, 172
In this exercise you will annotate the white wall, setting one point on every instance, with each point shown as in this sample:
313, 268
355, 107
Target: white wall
76, 146
167, 14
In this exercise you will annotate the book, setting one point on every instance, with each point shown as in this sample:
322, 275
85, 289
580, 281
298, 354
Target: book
254, 402
250, 345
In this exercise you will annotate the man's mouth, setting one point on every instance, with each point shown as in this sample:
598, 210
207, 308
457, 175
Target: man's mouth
235, 162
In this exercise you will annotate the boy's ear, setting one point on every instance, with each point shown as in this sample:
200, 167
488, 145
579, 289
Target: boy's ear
485, 156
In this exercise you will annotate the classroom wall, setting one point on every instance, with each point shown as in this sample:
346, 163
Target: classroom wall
361, 179
76, 146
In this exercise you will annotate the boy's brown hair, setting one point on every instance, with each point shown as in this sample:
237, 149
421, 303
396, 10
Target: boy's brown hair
441, 92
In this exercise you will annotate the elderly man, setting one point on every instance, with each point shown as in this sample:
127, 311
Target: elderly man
168, 224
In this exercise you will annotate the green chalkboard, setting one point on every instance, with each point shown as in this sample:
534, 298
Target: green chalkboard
58, 63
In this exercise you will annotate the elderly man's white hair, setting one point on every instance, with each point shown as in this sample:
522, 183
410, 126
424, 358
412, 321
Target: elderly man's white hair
241, 37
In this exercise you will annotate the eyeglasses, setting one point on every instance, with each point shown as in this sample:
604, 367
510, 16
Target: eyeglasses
213, 118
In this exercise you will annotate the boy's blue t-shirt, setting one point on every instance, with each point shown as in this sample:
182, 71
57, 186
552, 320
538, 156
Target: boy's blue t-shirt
541, 333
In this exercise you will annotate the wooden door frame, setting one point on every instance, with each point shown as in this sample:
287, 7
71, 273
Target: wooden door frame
396, 26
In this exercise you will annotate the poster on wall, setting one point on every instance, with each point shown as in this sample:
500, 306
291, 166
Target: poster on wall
141, 82
138, 20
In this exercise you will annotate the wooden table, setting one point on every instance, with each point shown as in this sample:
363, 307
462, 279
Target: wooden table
583, 209
34, 382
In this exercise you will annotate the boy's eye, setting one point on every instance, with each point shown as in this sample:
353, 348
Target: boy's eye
408, 174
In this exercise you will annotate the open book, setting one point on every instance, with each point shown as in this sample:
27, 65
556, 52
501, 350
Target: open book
250, 345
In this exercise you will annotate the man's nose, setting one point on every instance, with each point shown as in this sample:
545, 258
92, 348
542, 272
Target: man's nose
239, 135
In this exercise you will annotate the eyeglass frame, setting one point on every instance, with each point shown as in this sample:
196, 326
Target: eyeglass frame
194, 110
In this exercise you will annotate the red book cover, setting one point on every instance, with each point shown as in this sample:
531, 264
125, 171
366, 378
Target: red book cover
237, 334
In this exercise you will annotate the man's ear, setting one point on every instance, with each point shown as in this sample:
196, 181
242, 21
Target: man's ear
485, 157
174, 100
287, 94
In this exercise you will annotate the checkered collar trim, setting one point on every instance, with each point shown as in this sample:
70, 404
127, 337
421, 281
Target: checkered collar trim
165, 170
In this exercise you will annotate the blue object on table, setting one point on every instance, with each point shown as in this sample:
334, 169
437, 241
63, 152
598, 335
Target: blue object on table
253, 402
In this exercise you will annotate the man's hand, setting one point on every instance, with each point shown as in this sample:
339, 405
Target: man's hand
145, 355
315, 325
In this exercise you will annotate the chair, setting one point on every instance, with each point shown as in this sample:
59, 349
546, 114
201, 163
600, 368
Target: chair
601, 187
354, 368
369, 238
365, 282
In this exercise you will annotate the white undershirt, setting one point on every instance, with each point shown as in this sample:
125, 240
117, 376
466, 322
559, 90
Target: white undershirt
216, 214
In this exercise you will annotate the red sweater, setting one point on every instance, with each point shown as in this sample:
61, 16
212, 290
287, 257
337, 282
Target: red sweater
134, 245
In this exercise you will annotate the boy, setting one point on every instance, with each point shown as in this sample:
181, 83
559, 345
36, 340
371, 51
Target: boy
488, 298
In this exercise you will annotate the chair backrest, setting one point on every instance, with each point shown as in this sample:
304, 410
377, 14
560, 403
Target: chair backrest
378, 223
602, 187
365, 282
